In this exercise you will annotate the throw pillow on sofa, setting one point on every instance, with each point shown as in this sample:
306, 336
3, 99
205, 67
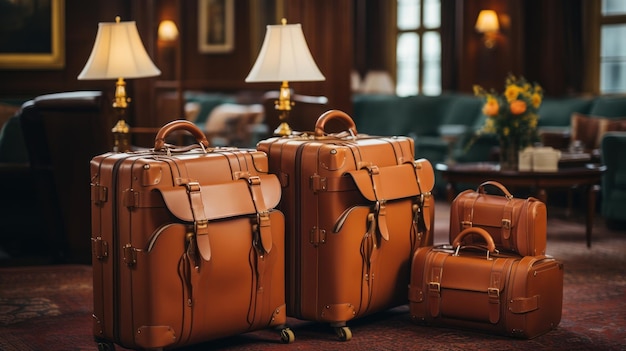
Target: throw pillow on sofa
590, 129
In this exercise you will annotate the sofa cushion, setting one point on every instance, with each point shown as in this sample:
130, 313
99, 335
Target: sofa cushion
590, 129
206, 103
426, 113
384, 115
556, 112
609, 106
464, 110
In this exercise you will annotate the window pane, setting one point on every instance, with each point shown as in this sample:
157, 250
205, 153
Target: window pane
432, 64
613, 59
408, 14
407, 59
613, 7
432, 13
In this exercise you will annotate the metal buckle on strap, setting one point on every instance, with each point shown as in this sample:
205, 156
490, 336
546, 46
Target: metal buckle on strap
493, 293
506, 223
254, 180
200, 225
193, 186
466, 224
434, 287
380, 204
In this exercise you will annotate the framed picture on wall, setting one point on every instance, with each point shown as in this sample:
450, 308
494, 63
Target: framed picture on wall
216, 26
32, 35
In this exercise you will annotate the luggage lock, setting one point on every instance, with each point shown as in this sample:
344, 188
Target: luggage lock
130, 254
99, 248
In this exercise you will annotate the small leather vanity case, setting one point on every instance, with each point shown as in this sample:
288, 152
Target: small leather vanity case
518, 225
356, 208
187, 245
478, 289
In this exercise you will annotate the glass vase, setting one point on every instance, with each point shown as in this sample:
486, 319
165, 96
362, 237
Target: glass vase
509, 154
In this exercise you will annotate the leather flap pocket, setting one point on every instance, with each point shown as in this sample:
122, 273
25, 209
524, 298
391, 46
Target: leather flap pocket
396, 182
224, 200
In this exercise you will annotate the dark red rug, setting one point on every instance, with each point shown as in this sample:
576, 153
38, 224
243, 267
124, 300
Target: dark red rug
48, 308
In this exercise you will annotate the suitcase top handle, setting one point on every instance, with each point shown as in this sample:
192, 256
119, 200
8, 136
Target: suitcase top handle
334, 114
481, 188
456, 243
181, 124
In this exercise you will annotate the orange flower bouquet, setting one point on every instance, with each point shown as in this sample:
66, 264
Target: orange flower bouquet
512, 116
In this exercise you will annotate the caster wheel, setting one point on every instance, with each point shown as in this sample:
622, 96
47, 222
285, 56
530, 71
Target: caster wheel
105, 346
287, 336
343, 333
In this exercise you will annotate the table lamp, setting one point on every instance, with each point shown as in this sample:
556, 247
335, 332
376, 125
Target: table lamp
284, 57
118, 53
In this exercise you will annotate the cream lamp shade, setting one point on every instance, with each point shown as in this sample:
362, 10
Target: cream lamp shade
487, 22
167, 30
284, 56
118, 53
378, 82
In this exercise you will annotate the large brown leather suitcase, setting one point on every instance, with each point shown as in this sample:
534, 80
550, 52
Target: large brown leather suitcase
187, 245
479, 289
356, 208
518, 225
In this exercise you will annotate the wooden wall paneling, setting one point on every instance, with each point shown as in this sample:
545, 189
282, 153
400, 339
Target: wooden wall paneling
328, 29
483, 66
224, 72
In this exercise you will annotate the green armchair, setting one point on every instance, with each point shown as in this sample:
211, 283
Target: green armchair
614, 179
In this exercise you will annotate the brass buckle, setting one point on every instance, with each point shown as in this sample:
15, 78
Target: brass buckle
506, 223
434, 287
493, 292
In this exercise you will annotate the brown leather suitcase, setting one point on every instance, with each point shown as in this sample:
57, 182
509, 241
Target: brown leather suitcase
187, 245
356, 208
518, 225
478, 289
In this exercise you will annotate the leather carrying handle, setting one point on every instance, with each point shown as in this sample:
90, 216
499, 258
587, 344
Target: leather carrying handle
491, 246
159, 140
481, 188
334, 114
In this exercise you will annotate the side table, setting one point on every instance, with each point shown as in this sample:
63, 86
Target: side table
589, 177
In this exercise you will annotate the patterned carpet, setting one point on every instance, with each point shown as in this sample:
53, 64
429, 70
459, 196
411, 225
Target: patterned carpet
48, 308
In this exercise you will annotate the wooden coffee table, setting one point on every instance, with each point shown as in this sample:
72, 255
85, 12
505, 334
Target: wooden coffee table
588, 177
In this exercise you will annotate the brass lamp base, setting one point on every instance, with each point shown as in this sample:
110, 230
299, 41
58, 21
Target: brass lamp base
121, 136
121, 130
283, 104
283, 129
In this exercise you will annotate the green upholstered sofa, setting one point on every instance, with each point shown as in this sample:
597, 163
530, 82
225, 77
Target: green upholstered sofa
444, 125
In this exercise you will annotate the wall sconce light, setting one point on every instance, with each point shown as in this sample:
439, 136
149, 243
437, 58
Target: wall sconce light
167, 30
284, 57
487, 24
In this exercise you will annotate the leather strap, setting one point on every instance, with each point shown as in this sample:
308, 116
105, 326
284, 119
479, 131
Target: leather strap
200, 221
380, 207
263, 222
507, 222
434, 283
369, 255
496, 282
422, 210
194, 194
468, 213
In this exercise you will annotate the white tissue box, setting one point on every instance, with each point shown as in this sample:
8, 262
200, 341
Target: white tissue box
539, 159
